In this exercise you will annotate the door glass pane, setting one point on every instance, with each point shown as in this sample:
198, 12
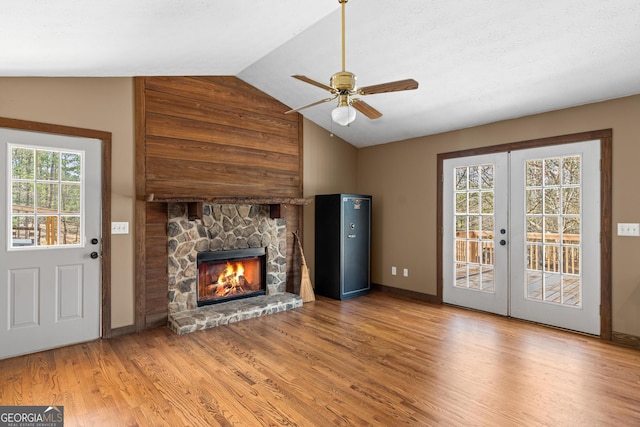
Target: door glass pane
22, 163
23, 231
534, 257
474, 226
461, 203
487, 253
534, 285
474, 202
461, 250
22, 197
46, 197
571, 201
571, 170
487, 227
551, 234
474, 177
487, 279
474, 222
461, 178
70, 166
553, 230
461, 275
70, 198
47, 230
487, 202
571, 230
571, 294
552, 287
551, 172
487, 177
534, 228
461, 226
551, 201
534, 201
70, 230
474, 276
47, 165
534, 173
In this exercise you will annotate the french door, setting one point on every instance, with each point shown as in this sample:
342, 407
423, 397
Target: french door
521, 234
50, 241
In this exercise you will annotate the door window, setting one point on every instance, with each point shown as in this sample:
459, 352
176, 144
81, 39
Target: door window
46, 190
553, 230
474, 222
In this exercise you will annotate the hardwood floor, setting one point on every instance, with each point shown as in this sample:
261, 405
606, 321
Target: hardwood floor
379, 359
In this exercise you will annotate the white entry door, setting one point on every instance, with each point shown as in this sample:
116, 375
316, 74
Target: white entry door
49, 241
522, 234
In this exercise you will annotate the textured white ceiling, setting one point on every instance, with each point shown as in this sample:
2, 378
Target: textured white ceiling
477, 61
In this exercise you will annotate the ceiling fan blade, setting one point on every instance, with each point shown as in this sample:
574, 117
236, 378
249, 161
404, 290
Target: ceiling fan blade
408, 84
313, 82
322, 101
366, 109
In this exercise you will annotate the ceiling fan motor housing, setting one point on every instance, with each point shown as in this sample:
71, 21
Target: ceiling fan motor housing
343, 80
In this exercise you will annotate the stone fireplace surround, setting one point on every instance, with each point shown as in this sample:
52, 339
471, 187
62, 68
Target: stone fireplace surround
223, 227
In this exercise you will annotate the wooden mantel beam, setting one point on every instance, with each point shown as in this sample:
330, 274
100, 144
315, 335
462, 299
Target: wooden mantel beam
161, 198
277, 205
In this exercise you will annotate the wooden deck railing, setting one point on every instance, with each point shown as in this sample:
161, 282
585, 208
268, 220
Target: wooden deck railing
481, 251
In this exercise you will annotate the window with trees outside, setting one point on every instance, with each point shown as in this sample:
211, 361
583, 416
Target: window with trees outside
46, 197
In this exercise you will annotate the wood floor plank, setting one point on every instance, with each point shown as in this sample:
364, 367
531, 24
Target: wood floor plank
380, 360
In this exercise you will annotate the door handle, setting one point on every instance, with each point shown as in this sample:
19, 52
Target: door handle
94, 255
503, 242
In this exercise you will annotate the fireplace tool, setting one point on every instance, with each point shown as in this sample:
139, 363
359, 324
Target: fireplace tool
306, 289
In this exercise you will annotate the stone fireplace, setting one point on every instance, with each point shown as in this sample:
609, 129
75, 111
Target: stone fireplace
224, 228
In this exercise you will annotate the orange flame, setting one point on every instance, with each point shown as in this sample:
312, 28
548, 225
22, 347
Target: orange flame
230, 279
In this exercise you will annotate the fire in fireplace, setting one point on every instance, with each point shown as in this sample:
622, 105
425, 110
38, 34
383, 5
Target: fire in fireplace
229, 275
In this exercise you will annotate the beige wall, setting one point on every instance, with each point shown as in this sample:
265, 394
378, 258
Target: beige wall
329, 167
104, 104
401, 176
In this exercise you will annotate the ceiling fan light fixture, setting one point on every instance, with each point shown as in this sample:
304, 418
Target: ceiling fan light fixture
343, 114
342, 85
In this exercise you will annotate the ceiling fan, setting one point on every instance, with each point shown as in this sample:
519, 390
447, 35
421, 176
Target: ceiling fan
342, 86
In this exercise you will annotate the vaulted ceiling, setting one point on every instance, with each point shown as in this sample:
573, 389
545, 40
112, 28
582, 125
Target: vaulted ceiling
476, 61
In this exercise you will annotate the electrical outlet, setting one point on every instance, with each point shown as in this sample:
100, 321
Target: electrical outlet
119, 228
393, 271
405, 272
625, 229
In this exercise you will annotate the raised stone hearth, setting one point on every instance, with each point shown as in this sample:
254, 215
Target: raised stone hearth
224, 313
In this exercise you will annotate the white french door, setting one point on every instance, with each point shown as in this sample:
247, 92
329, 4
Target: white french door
49, 241
521, 234
476, 266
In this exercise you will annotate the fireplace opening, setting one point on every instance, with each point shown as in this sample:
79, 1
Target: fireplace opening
229, 275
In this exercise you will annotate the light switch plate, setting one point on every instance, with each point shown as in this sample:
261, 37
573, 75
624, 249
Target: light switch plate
119, 228
628, 229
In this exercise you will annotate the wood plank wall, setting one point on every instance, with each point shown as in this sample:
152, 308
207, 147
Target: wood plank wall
212, 137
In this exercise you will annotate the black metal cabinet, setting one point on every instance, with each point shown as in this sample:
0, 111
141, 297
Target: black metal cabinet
343, 245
